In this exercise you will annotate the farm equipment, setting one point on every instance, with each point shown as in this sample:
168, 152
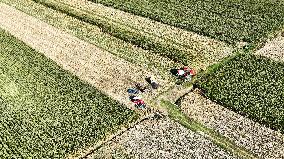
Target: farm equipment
140, 88
184, 73
132, 91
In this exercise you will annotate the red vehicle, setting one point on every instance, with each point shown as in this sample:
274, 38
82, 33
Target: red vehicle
138, 102
186, 73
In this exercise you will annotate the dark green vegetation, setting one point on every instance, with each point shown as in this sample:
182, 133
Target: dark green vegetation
176, 114
46, 112
250, 85
227, 20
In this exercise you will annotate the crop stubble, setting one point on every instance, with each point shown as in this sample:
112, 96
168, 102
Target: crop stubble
231, 21
273, 49
199, 53
94, 35
160, 138
260, 140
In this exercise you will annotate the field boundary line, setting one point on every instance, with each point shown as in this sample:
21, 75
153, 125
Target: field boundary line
64, 48
76, 55
260, 140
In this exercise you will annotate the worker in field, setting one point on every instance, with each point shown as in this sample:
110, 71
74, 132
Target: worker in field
139, 103
186, 73
141, 87
154, 84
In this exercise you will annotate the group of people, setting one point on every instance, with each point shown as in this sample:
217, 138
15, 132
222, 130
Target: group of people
140, 88
184, 74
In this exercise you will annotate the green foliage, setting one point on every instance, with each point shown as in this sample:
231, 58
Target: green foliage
227, 20
250, 85
46, 112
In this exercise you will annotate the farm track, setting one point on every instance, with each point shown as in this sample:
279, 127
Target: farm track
260, 140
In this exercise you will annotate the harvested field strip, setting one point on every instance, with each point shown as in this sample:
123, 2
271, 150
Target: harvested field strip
273, 49
177, 115
200, 52
226, 20
250, 85
160, 137
92, 34
47, 112
167, 33
262, 141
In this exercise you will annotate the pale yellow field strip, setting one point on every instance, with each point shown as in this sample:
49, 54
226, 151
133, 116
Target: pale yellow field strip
163, 138
105, 71
273, 49
260, 140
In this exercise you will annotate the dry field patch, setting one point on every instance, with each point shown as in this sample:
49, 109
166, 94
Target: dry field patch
201, 51
273, 49
262, 141
160, 138
94, 35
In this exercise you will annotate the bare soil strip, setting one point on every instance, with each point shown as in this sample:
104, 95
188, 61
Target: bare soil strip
160, 138
273, 49
262, 141
105, 71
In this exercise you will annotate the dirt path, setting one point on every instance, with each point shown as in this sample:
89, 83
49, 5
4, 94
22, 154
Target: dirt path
105, 71
262, 141
273, 49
